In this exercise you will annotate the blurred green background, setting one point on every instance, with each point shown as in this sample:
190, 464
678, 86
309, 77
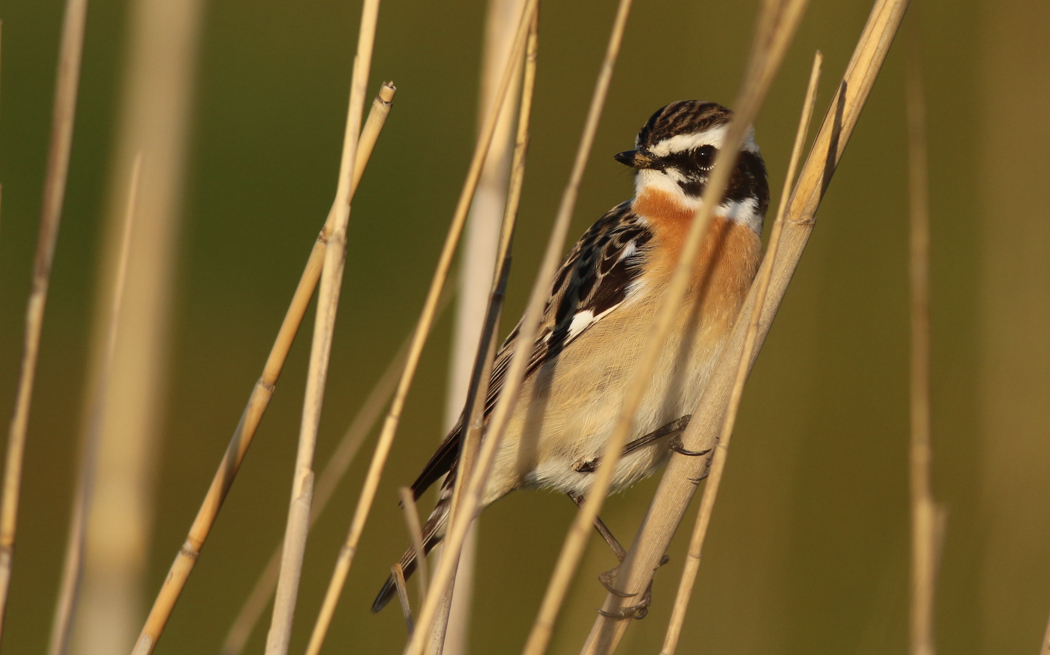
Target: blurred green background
808, 551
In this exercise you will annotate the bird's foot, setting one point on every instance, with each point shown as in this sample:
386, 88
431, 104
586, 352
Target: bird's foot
637, 611
676, 445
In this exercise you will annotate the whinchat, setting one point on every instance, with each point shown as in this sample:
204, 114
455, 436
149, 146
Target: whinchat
600, 312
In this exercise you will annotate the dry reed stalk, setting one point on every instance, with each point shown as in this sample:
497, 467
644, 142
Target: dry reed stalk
415, 533
402, 595
260, 396
69, 589
676, 488
298, 528
477, 260
426, 320
924, 511
527, 334
478, 388
703, 519
154, 118
776, 27
64, 113
330, 477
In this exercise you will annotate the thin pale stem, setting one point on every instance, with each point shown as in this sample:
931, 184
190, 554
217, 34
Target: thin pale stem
258, 401
426, 320
677, 485
474, 411
769, 52
924, 510
69, 590
529, 327
703, 520
64, 113
298, 526
415, 533
327, 482
402, 595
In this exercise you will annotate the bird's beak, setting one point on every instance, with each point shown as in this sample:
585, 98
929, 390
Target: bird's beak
635, 159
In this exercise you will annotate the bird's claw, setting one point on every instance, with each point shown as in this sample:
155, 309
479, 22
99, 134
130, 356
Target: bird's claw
676, 445
638, 611
607, 581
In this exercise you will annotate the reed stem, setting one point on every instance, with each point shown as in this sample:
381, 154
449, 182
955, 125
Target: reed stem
63, 115
426, 320
676, 487
703, 519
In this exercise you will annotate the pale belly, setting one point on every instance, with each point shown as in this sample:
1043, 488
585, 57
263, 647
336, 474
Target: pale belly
566, 414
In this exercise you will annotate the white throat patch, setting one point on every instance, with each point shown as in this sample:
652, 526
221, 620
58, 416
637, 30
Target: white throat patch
742, 211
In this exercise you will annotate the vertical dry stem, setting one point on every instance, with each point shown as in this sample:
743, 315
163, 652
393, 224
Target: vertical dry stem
260, 397
478, 385
333, 473
155, 118
477, 260
676, 488
426, 320
402, 595
415, 533
923, 509
777, 25
526, 336
324, 328
69, 590
64, 113
703, 519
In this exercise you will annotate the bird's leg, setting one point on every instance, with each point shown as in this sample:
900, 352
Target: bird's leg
675, 426
603, 530
638, 610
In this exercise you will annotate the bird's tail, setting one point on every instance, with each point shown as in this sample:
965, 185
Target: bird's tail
433, 533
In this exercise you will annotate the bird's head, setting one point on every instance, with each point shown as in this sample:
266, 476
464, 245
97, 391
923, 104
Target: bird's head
675, 152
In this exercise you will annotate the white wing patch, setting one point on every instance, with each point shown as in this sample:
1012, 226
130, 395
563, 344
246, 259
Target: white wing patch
583, 320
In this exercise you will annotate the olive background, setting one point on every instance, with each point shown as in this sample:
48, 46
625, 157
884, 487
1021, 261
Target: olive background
808, 551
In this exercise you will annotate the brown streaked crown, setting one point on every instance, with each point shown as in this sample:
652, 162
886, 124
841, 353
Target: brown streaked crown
681, 117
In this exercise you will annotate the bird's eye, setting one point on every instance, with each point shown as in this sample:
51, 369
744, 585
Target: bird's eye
704, 156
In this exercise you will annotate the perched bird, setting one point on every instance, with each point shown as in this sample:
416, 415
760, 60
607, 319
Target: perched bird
599, 314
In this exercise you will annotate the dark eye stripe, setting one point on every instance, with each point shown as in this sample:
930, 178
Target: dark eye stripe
692, 163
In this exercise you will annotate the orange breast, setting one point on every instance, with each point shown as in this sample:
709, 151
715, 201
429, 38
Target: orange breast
728, 258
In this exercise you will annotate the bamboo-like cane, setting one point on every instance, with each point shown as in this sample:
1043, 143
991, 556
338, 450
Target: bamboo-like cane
65, 607
259, 399
526, 336
478, 388
676, 488
333, 473
924, 510
64, 113
703, 519
298, 527
426, 320
777, 26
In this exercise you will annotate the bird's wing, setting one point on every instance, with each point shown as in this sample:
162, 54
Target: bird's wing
593, 280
